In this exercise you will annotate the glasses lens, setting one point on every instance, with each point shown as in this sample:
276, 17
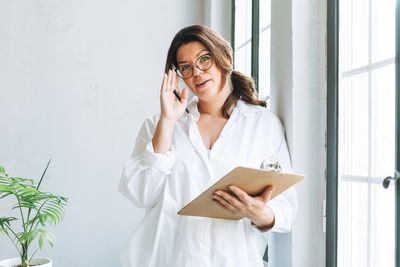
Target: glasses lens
185, 71
204, 62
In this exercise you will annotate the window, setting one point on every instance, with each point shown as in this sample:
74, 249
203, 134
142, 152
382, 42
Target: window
251, 45
366, 145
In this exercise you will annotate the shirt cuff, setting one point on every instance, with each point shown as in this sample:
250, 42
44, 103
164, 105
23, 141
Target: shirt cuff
261, 229
163, 162
279, 218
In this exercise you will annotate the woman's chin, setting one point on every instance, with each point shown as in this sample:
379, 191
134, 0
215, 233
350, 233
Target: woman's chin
206, 93
203, 89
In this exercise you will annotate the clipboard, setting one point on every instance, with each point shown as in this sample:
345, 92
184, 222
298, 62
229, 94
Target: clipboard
251, 180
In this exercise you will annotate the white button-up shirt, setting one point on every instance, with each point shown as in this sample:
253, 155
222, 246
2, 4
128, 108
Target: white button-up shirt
165, 183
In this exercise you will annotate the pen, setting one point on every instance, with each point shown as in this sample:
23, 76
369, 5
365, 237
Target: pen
179, 98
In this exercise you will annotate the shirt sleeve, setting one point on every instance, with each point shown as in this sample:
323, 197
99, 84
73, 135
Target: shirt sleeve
144, 174
285, 205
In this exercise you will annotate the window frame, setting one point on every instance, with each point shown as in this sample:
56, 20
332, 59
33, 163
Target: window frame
255, 38
332, 133
397, 136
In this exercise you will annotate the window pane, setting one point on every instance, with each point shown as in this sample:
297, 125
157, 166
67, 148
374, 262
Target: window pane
264, 64
265, 14
383, 118
242, 22
264, 49
382, 226
243, 59
353, 137
242, 56
353, 34
352, 224
383, 29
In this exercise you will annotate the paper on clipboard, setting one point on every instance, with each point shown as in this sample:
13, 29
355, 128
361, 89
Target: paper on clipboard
251, 180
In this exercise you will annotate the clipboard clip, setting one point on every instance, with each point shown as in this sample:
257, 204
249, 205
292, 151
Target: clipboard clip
271, 164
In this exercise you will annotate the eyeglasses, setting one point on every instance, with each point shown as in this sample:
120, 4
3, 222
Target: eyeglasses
202, 63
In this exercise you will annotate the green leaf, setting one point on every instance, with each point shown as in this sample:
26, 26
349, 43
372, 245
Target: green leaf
22, 181
4, 181
2, 171
50, 217
6, 221
51, 243
50, 237
42, 219
55, 216
28, 236
41, 241
5, 194
24, 205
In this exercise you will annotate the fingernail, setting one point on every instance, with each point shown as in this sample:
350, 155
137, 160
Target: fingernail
231, 187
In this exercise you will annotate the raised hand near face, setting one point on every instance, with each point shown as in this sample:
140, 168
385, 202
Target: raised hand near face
171, 107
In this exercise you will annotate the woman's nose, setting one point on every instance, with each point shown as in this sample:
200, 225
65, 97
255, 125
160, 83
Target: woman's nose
197, 71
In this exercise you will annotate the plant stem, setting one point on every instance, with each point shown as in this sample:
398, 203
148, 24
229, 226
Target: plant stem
24, 257
19, 252
33, 255
44, 172
37, 188
44, 202
16, 236
19, 205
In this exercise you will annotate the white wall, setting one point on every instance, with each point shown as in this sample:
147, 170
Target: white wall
77, 78
218, 15
309, 127
298, 96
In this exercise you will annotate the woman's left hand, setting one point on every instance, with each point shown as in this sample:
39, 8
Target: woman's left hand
254, 208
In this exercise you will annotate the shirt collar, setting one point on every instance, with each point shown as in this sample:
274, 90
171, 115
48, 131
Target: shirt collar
193, 111
242, 108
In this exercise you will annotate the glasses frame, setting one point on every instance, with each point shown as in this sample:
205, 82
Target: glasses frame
195, 63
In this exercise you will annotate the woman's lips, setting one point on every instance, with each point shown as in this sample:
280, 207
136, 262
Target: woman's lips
201, 85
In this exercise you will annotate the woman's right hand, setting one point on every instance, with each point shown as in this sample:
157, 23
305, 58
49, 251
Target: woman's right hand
171, 108
171, 111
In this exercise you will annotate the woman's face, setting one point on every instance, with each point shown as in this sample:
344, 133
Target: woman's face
205, 84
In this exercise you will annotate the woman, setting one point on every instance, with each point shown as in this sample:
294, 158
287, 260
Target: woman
178, 155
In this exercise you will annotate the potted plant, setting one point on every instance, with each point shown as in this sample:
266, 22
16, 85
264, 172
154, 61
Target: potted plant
36, 209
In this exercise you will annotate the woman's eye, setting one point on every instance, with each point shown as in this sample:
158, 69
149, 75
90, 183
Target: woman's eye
183, 68
205, 58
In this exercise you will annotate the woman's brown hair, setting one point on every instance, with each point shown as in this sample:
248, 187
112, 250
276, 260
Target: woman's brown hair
243, 86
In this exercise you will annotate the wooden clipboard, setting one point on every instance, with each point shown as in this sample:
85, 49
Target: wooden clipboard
251, 180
